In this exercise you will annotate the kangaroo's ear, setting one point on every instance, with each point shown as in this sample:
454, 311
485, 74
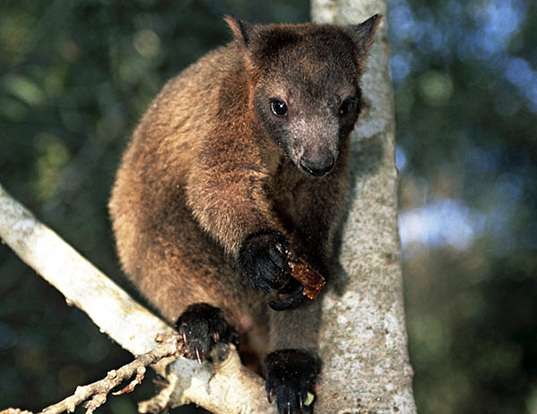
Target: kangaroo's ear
364, 33
241, 29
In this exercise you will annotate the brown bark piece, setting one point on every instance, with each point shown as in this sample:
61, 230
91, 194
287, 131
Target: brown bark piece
308, 277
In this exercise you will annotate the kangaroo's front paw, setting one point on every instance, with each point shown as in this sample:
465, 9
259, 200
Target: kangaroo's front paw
263, 260
290, 377
202, 326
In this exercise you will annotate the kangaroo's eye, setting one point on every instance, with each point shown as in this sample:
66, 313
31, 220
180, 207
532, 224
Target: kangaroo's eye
348, 106
278, 107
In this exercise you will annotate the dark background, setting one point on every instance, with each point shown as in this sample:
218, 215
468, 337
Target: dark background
76, 76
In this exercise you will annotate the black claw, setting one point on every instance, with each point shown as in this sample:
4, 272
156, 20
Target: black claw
289, 300
202, 326
270, 396
291, 374
283, 402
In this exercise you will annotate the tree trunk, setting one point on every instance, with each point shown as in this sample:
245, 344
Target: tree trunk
363, 336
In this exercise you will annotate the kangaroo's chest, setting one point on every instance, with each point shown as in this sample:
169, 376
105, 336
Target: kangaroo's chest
290, 191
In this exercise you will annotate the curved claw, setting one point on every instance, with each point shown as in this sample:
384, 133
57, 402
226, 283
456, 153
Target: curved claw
198, 356
289, 301
270, 396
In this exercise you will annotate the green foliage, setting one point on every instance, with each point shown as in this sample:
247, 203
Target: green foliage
466, 102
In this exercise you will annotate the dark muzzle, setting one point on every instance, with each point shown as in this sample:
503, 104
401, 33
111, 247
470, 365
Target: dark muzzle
318, 167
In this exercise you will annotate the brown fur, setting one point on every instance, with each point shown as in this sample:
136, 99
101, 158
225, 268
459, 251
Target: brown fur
202, 173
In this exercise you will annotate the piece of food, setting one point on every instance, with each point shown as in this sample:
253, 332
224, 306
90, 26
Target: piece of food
308, 277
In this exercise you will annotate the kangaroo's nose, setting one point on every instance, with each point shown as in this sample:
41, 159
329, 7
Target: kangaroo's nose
318, 167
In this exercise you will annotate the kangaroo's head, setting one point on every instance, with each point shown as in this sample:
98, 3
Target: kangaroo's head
305, 85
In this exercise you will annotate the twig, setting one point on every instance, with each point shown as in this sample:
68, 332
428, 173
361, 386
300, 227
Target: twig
94, 395
14, 411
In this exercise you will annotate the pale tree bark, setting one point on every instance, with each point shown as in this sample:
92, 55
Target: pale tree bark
363, 336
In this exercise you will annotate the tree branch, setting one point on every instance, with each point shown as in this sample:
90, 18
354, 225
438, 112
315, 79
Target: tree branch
95, 395
223, 388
